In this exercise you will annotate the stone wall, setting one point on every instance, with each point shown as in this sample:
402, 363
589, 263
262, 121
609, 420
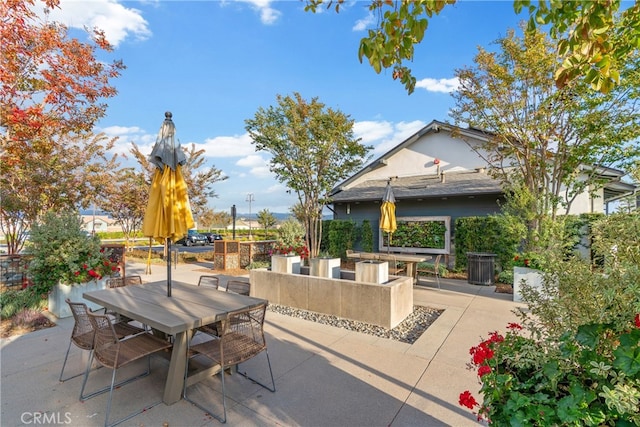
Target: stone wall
384, 305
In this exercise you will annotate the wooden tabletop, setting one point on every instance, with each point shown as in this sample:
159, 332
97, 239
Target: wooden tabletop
188, 307
383, 256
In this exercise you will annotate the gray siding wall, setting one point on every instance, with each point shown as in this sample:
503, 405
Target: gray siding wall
454, 207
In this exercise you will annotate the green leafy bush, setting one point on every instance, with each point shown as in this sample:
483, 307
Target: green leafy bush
579, 363
589, 377
63, 252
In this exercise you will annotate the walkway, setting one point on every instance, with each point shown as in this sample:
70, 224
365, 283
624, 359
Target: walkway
324, 376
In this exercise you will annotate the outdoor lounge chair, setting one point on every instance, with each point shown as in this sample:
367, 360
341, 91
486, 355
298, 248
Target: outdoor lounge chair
241, 339
114, 353
239, 287
82, 333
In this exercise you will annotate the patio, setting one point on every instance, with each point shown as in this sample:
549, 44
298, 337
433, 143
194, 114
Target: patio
324, 375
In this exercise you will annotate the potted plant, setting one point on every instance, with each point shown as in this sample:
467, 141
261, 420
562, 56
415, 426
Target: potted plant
66, 260
527, 271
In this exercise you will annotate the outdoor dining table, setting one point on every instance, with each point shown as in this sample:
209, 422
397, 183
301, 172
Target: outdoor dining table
410, 260
188, 308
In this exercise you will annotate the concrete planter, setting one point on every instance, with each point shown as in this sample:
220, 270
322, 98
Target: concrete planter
325, 267
57, 305
372, 271
285, 264
524, 275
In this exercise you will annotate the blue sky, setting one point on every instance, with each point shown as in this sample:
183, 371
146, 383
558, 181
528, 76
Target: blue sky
214, 63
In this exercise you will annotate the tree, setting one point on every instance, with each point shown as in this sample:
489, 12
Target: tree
545, 144
206, 218
222, 219
592, 41
125, 200
312, 148
52, 89
266, 220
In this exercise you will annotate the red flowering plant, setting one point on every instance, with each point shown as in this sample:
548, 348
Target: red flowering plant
296, 247
64, 253
529, 260
588, 377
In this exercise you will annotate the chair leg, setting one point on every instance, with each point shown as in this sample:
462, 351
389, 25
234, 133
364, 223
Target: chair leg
84, 397
223, 418
273, 383
133, 414
66, 356
438, 280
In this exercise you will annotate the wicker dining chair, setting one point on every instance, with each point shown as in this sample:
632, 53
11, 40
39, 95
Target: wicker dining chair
435, 271
241, 339
82, 333
209, 281
115, 282
239, 287
114, 353
132, 280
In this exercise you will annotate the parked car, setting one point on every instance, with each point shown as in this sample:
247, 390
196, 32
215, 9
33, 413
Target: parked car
212, 237
193, 238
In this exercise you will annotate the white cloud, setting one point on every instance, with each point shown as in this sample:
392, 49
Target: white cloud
401, 131
268, 15
363, 24
228, 146
370, 131
117, 21
257, 165
439, 85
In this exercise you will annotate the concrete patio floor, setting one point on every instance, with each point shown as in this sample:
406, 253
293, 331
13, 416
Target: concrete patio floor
325, 376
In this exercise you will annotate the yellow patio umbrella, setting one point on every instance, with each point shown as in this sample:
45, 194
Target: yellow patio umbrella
388, 213
168, 215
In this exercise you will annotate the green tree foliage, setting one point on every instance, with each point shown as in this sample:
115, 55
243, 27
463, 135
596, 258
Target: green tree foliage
592, 37
290, 233
125, 199
542, 141
312, 148
266, 220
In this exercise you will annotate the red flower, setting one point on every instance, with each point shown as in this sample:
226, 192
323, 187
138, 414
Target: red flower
638, 320
494, 337
93, 273
481, 353
466, 399
514, 326
85, 266
526, 262
484, 370
516, 258
77, 273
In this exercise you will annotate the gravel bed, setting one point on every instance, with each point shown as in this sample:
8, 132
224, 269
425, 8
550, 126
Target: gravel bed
408, 331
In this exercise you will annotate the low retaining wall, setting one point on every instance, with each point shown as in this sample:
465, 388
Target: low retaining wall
384, 305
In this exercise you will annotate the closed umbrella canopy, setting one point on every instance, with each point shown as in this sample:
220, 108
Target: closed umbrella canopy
388, 214
168, 215
388, 211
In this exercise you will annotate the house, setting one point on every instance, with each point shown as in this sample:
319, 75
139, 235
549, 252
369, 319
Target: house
438, 177
99, 223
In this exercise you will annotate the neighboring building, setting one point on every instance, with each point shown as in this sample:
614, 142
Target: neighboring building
434, 175
99, 223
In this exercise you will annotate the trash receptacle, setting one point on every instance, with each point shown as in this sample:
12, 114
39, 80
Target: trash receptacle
480, 268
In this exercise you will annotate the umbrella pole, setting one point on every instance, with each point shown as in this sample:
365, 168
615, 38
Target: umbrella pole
168, 247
